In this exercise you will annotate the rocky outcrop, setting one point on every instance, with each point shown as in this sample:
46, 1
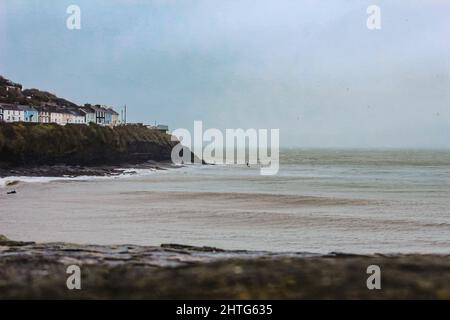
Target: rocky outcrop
38, 270
28, 144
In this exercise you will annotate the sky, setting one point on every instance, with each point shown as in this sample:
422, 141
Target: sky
309, 68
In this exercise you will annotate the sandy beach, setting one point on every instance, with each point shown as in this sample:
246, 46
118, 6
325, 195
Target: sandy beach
321, 201
310, 232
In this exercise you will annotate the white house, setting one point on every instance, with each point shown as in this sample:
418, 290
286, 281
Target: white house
67, 116
16, 89
12, 87
11, 113
43, 114
62, 115
100, 114
89, 114
58, 116
76, 117
30, 113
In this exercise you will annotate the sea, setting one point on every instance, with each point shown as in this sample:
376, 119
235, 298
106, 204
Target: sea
321, 201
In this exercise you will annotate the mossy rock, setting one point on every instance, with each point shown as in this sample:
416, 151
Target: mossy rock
4, 241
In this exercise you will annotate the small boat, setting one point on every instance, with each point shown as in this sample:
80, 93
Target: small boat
11, 192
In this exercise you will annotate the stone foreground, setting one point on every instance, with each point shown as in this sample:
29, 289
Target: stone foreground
31, 270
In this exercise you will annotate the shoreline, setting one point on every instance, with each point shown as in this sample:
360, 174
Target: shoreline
14, 176
38, 270
63, 170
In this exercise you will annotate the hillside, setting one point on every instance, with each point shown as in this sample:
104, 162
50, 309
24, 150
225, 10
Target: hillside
46, 144
33, 97
28, 144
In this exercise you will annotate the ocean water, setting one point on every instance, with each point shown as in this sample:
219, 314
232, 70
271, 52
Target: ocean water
357, 201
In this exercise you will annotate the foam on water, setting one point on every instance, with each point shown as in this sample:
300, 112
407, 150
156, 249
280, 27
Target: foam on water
29, 179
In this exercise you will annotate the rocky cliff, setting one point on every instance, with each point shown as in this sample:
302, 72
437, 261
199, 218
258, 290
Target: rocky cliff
28, 144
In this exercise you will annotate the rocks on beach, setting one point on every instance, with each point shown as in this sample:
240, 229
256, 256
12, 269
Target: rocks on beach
76, 171
38, 270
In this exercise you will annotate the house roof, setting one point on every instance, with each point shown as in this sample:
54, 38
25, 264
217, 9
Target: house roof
26, 108
6, 106
97, 108
42, 108
76, 113
87, 109
106, 109
81, 111
57, 109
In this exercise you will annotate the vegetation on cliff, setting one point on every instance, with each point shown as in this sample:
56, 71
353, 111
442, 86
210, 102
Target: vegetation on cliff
32, 97
29, 144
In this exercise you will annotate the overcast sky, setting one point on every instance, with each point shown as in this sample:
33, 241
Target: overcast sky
310, 68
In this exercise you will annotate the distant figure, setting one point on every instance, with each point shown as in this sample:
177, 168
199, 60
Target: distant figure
248, 165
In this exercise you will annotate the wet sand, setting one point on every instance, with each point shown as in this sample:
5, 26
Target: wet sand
38, 271
202, 206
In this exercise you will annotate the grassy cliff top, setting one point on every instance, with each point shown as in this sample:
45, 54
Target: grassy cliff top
24, 144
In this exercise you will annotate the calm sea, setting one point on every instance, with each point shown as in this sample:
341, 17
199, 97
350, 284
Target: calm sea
358, 201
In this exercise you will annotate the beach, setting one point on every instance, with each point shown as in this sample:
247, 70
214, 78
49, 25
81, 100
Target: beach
225, 232
201, 150
360, 202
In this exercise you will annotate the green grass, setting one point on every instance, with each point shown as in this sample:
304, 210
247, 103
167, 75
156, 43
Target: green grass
35, 144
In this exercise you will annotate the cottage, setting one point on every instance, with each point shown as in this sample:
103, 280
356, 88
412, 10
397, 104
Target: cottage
57, 115
43, 114
30, 113
108, 117
89, 114
115, 121
62, 115
76, 117
111, 117
99, 115
12, 87
12, 113
66, 116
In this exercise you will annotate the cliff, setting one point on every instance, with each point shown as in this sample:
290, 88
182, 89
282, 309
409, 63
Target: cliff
29, 144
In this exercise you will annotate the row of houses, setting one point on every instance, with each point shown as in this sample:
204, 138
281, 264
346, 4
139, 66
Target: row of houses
100, 115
